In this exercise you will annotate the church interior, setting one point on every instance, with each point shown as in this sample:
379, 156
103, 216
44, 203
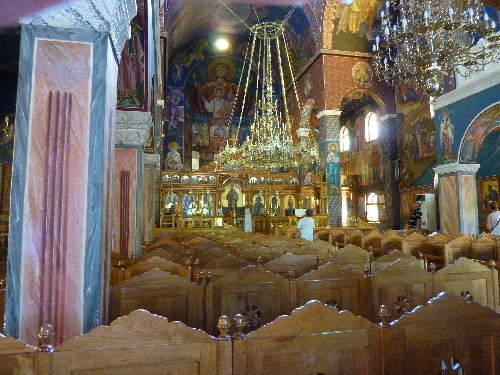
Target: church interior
159, 161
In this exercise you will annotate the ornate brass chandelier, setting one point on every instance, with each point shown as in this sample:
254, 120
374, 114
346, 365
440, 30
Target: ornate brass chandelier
423, 42
270, 145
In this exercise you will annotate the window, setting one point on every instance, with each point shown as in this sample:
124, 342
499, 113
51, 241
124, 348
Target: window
345, 141
371, 126
372, 208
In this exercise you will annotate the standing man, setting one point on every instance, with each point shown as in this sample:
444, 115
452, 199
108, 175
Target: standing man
305, 226
493, 220
416, 216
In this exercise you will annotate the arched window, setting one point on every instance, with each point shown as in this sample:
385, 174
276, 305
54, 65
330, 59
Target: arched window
345, 141
371, 126
372, 208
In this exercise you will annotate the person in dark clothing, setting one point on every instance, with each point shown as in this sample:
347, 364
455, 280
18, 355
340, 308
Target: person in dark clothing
416, 216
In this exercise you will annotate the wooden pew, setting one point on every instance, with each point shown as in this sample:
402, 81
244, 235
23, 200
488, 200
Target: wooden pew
399, 281
372, 241
466, 276
393, 256
314, 339
157, 262
415, 243
16, 358
351, 257
354, 237
447, 329
290, 264
251, 291
160, 293
224, 266
332, 285
392, 241
459, 247
140, 343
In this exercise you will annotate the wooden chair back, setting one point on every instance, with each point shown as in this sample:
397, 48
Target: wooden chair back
448, 329
314, 339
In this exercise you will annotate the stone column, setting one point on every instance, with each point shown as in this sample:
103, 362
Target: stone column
458, 198
60, 239
391, 170
132, 132
150, 191
329, 134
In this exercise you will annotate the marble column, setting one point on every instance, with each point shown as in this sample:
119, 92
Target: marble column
60, 227
132, 132
391, 170
329, 134
150, 191
458, 198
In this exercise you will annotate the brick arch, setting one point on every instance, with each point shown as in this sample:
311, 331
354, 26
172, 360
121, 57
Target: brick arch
374, 95
337, 70
485, 123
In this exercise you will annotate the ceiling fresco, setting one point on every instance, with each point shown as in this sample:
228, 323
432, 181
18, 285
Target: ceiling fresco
187, 21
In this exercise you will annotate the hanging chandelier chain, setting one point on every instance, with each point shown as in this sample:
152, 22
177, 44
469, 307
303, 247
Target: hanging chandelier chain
261, 47
294, 84
283, 88
243, 22
235, 101
246, 86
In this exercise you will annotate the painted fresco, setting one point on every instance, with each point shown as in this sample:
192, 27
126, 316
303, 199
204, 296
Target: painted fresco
488, 191
333, 167
214, 106
354, 25
201, 102
173, 158
489, 155
197, 103
483, 125
132, 71
302, 39
417, 139
461, 114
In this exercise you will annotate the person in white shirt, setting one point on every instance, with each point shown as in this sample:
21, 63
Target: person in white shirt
493, 220
305, 226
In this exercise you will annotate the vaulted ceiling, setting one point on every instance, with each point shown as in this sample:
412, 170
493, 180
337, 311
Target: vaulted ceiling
186, 21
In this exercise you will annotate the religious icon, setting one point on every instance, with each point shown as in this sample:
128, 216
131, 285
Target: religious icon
333, 165
362, 73
232, 198
215, 97
173, 158
171, 203
258, 208
131, 71
489, 192
274, 204
206, 205
447, 133
290, 205
189, 204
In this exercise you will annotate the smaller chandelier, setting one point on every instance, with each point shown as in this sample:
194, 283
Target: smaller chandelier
424, 42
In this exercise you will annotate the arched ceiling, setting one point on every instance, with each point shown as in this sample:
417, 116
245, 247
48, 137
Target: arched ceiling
187, 20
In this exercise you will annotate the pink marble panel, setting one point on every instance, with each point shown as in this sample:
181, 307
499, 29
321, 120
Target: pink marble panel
468, 202
448, 203
125, 210
55, 202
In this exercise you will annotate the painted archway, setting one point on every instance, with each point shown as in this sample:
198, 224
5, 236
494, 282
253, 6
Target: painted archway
487, 122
